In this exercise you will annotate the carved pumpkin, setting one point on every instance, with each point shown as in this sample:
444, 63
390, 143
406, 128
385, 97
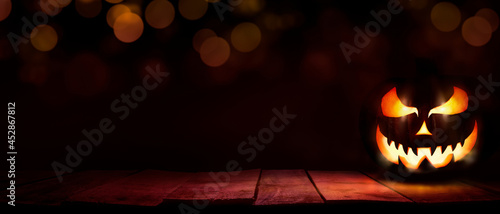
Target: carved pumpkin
410, 153
421, 125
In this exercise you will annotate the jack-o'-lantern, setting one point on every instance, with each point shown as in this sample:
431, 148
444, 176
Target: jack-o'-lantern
421, 125
411, 153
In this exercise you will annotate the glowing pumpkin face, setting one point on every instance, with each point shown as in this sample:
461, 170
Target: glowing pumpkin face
412, 155
420, 126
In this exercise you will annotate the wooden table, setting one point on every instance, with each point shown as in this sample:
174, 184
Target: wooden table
256, 189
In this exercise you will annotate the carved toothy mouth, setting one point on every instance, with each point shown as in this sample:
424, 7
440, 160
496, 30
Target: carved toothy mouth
438, 158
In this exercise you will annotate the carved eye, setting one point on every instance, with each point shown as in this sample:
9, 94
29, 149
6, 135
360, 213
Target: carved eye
455, 105
393, 107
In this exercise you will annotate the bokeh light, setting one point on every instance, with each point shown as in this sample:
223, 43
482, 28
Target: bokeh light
43, 38
114, 12
88, 8
134, 7
445, 16
420, 4
128, 27
192, 9
285, 21
476, 31
215, 51
490, 15
271, 21
5, 8
250, 8
160, 13
114, 1
245, 37
201, 36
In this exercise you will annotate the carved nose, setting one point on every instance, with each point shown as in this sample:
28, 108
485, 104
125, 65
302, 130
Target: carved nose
423, 130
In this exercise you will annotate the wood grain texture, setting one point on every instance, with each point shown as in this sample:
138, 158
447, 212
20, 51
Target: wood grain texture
147, 188
489, 181
337, 186
439, 192
286, 187
52, 192
275, 187
218, 188
488, 185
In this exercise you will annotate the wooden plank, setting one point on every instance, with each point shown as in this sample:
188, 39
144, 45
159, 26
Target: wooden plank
488, 185
27, 176
488, 180
286, 187
147, 188
352, 186
238, 189
52, 192
439, 191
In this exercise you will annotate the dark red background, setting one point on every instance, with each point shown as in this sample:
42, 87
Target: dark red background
199, 116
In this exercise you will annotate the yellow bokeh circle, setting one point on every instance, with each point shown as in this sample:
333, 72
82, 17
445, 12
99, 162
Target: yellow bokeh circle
445, 16
245, 37
44, 38
128, 27
215, 51
160, 13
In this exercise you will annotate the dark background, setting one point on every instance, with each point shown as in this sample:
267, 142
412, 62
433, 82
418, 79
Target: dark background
197, 118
